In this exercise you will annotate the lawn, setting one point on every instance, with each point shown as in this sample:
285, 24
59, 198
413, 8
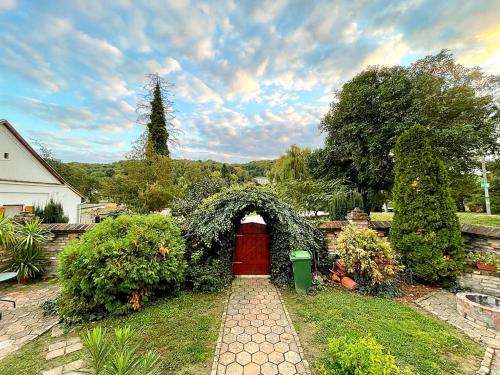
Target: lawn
429, 346
464, 217
183, 330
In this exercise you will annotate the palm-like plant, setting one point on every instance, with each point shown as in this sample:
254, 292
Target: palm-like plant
116, 357
7, 237
27, 257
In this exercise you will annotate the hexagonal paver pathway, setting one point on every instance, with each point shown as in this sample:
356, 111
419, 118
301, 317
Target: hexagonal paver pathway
257, 336
27, 321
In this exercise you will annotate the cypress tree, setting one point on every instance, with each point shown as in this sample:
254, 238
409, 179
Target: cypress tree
425, 230
157, 126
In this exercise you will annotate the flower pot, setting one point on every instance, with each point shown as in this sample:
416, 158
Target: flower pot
349, 283
24, 280
486, 266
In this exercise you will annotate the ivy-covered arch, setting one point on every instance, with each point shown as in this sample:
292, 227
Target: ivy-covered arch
211, 230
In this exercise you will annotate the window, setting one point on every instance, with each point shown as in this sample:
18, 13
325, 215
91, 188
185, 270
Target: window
6, 155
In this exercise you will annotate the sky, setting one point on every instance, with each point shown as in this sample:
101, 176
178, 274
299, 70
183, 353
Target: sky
249, 78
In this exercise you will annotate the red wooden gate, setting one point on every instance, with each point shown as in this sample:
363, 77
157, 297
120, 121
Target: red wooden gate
251, 255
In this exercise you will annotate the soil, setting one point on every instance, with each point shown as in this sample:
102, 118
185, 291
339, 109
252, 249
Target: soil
412, 292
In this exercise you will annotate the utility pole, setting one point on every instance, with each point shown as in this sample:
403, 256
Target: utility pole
485, 186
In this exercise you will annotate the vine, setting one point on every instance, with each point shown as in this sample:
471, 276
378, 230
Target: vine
211, 230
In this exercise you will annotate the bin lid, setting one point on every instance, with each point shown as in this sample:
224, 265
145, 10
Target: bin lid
300, 254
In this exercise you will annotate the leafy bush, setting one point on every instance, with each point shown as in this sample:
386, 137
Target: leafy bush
367, 256
349, 356
118, 356
53, 212
425, 229
119, 264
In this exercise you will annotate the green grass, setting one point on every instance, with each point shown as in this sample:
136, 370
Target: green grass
464, 217
426, 344
183, 330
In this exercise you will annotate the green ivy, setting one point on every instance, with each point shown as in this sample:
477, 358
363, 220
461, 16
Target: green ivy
211, 230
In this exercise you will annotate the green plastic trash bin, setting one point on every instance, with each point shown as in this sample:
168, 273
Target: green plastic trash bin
302, 274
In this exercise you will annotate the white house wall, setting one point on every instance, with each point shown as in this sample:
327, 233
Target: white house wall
32, 194
21, 164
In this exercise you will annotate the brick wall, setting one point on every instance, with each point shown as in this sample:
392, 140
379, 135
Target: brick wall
481, 282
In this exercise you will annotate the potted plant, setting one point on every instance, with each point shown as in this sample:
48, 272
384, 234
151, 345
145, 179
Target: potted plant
484, 261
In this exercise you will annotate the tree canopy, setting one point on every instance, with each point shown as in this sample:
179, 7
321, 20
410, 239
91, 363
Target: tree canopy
456, 104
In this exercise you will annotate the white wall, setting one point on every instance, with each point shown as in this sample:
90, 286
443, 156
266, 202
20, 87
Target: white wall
31, 194
21, 164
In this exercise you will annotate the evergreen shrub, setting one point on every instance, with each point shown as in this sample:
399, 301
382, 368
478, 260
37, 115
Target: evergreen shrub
120, 264
425, 228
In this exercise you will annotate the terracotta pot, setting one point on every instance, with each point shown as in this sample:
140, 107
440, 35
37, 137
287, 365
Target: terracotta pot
335, 277
486, 266
349, 283
24, 280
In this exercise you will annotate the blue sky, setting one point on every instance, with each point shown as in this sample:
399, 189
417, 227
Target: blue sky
251, 78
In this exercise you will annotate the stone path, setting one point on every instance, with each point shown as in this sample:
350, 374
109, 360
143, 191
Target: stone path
26, 321
443, 304
60, 349
257, 336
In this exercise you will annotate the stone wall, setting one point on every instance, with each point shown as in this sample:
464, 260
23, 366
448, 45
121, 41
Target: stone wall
60, 235
481, 282
476, 237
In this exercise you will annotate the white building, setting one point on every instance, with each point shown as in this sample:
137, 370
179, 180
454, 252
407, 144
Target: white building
26, 180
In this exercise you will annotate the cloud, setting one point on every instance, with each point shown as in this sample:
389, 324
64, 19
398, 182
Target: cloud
195, 90
250, 77
6, 5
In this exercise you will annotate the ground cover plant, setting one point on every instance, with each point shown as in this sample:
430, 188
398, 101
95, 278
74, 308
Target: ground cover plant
418, 340
120, 264
350, 356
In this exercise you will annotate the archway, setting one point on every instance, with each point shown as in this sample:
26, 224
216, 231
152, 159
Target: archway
211, 230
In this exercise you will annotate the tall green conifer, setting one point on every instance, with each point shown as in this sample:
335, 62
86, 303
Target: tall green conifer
425, 230
157, 126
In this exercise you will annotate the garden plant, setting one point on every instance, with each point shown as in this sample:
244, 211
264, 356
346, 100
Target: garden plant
425, 229
116, 356
119, 265
23, 241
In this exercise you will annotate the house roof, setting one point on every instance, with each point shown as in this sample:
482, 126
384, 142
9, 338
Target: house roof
32, 151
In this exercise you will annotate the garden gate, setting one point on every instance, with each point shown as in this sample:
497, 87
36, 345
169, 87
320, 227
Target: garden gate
251, 255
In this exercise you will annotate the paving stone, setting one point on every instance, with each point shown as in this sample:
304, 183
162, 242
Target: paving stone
55, 353
27, 321
257, 336
443, 305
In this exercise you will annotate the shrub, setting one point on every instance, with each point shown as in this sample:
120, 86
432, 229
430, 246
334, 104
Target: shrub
425, 229
206, 275
367, 256
349, 356
53, 212
119, 264
117, 356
